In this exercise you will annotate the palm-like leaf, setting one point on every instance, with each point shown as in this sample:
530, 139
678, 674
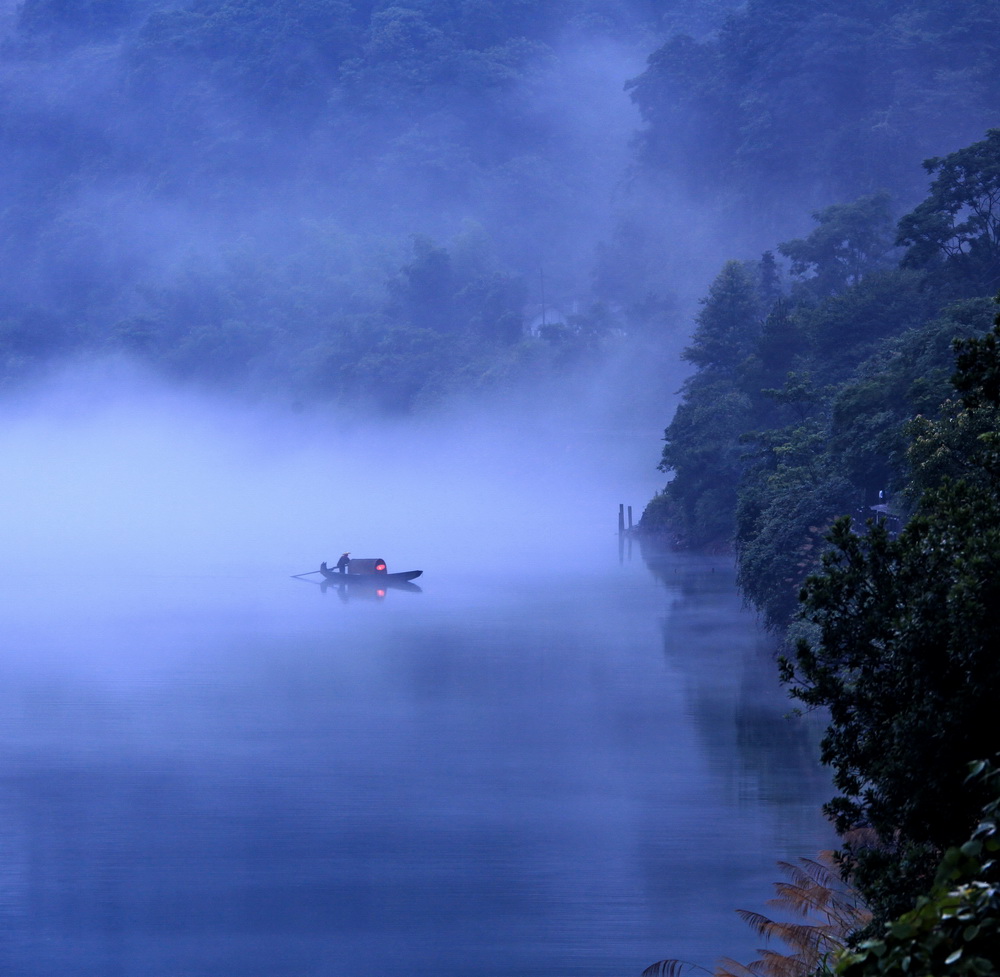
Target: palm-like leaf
826, 910
820, 871
728, 967
806, 940
776, 964
671, 968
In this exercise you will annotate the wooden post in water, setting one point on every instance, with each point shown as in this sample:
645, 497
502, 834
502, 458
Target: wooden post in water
621, 519
630, 518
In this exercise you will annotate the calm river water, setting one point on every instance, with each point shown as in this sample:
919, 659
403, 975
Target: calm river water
567, 770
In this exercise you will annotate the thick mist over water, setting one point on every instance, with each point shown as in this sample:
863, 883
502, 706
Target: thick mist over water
552, 760
125, 475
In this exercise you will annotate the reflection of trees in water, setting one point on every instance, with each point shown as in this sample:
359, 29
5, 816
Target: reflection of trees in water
740, 711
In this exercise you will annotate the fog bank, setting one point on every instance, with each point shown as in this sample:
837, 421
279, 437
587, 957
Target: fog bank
114, 473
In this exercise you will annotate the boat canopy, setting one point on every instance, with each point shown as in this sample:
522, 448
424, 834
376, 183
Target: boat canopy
366, 566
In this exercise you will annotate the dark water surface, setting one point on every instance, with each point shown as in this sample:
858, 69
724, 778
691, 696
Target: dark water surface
545, 772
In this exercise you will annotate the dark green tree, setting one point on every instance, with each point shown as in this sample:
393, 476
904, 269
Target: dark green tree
729, 323
847, 328
704, 450
277, 54
491, 307
958, 224
977, 377
787, 501
865, 87
704, 454
426, 288
851, 241
907, 376
683, 99
903, 654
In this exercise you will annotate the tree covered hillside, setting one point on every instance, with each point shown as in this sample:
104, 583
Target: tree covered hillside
338, 199
321, 196
810, 102
800, 406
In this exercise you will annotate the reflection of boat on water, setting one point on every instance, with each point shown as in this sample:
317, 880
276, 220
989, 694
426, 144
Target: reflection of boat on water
371, 572
368, 587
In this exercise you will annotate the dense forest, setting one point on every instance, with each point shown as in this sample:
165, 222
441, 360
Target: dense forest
803, 390
330, 201
382, 205
346, 201
839, 430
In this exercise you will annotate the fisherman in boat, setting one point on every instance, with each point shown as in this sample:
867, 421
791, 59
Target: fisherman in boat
345, 558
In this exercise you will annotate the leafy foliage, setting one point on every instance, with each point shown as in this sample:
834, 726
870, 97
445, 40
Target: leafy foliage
959, 222
953, 930
702, 442
978, 370
728, 323
850, 242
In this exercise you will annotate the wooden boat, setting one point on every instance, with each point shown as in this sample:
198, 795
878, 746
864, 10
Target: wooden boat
371, 572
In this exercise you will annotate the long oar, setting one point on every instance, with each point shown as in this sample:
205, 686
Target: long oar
306, 574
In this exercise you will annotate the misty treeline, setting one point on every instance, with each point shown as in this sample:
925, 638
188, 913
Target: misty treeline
334, 200
818, 101
346, 201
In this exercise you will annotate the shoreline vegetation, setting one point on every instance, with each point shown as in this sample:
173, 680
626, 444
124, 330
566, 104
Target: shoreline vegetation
861, 492
808, 387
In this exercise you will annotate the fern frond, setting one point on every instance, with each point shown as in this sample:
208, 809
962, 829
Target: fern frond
727, 967
800, 900
826, 912
796, 874
817, 889
759, 923
802, 938
774, 964
671, 968
822, 870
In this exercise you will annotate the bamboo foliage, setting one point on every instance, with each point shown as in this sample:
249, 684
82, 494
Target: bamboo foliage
825, 912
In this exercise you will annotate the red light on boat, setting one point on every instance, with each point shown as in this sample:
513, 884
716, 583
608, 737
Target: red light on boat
379, 567
380, 593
